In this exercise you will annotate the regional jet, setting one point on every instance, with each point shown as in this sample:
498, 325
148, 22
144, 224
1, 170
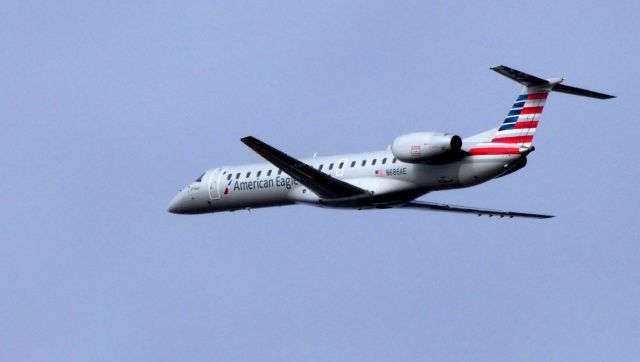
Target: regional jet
414, 165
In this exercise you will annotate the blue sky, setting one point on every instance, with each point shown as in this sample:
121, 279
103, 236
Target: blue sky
106, 110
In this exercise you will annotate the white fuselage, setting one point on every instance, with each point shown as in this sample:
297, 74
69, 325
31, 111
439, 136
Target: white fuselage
432, 161
390, 181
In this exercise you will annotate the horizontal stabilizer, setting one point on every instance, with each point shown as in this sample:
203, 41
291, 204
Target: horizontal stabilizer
529, 80
580, 92
525, 79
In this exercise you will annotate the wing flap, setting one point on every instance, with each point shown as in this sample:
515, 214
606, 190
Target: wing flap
319, 182
471, 210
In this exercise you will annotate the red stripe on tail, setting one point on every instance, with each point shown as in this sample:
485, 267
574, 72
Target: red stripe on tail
493, 151
537, 96
531, 110
514, 139
526, 124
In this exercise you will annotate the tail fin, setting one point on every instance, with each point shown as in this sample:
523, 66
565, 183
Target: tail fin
521, 122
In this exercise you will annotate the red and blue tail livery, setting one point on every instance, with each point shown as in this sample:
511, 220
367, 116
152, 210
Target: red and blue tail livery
515, 134
522, 120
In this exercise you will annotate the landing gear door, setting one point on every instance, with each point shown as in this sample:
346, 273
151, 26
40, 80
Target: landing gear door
214, 184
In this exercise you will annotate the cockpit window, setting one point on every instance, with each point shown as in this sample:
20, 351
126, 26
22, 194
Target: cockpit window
199, 179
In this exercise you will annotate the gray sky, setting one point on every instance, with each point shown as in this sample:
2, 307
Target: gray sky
107, 110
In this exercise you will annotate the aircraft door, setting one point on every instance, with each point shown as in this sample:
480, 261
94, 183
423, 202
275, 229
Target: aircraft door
214, 184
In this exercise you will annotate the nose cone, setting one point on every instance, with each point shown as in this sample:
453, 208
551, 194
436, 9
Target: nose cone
178, 204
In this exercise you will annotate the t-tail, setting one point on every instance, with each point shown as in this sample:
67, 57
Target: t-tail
515, 134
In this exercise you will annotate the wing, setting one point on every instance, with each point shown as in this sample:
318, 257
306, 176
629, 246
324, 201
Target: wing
470, 210
319, 182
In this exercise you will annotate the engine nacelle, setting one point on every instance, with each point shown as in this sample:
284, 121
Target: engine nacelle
422, 147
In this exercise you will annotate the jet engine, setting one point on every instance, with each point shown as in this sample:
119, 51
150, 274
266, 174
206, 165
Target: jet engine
426, 147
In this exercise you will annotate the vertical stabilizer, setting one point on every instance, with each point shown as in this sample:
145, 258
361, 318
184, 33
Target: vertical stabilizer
520, 125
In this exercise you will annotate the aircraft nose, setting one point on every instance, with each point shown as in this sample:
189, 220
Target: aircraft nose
177, 204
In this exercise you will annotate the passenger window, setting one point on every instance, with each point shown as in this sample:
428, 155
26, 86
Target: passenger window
353, 163
269, 173
384, 160
373, 162
238, 175
279, 172
248, 174
340, 165
320, 168
330, 166
228, 177
259, 172
394, 160
364, 163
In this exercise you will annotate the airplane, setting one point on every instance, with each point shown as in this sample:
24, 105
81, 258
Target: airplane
414, 165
